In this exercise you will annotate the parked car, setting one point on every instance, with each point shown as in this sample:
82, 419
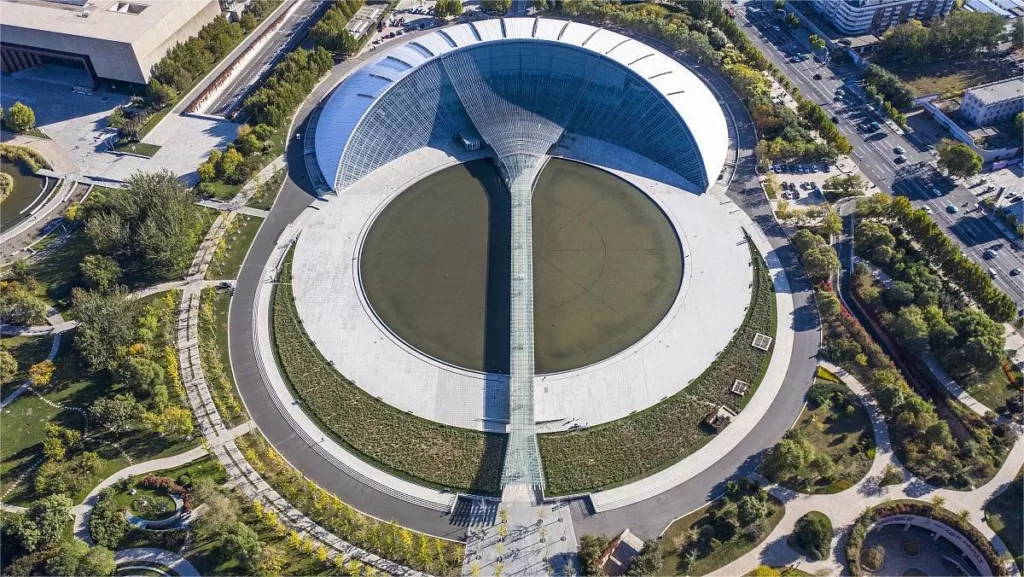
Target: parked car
900, 159
952, 209
817, 76
992, 273
899, 150
1015, 272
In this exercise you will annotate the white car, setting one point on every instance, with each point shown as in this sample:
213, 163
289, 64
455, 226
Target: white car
927, 209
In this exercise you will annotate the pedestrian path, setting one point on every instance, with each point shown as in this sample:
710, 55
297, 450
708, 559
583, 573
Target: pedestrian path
868, 493
126, 558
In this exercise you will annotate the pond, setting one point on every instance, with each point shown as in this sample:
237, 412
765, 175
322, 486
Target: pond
27, 190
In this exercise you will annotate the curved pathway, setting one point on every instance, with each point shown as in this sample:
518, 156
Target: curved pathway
176, 563
867, 493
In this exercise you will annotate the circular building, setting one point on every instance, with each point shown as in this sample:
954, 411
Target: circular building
521, 200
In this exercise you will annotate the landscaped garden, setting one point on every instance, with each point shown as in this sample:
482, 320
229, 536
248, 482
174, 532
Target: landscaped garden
832, 445
721, 532
405, 444
233, 246
266, 192
1005, 515
643, 443
214, 355
418, 551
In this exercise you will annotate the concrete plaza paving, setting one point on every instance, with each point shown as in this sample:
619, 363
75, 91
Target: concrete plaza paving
711, 303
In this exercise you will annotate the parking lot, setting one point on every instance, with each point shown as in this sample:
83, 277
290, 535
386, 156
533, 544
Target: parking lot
408, 16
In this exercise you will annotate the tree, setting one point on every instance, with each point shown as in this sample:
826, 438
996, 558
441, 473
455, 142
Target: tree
99, 271
823, 466
813, 534
20, 118
1016, 34
648, 562
107, 524
159, 94
271, 561
792, 20
831, 224
141, 374
765, 571
788, 456
41, 373
496, 6
106, 327
817, 42
958, 158
911, 329
780, 4
50, 515
66, 559
219, 515
115, 414
20, 306
750, 510
97, 561
828, 304
242, 544
591, 547
8, 367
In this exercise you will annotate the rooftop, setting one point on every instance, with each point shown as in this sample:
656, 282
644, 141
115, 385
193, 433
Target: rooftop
994, 92
114, 20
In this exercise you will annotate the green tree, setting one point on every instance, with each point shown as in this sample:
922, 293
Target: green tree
792, 20
99, 271
828, 304
648, 562
66, 559
813, 534
106, 327
831, 224
242, 544
8, 367
50, 515
141, 374
20, 306
823, 466
591, 547
97, 561
1016, 34
159, 94
750, 510
20, 118
958, 158
911, 329
107, 524
780, 4
817, 42
496, 6
115, 414
788, 456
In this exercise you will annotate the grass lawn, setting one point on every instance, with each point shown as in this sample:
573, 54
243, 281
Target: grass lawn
27, 351
149, 504
234, 245
267, 191
615, 453
407, 445
694, 533
840, 428
1005, 515
995, 389
221, 190
58, 271
213, 353
140, 148
951, 75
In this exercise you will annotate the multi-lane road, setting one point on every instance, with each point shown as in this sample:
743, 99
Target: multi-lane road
875, 153
281, 41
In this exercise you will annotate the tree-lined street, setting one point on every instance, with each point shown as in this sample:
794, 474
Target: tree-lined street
875, 153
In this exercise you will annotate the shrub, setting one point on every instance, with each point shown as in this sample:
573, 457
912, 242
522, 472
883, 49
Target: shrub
874, 558
812, 534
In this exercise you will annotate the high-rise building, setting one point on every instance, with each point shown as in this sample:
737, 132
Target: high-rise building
857, 17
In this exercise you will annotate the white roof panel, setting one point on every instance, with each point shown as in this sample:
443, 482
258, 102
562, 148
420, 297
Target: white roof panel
489, 29
695, 104
548, 29
519, 27
576, 33
604, 40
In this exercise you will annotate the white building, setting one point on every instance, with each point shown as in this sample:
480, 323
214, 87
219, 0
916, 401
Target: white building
856, 17
993, 102
1006, 8
112, 39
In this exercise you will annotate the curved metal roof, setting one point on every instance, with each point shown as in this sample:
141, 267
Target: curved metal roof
691, 99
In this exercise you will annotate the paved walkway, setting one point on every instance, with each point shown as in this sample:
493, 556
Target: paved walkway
867, 493
176, 563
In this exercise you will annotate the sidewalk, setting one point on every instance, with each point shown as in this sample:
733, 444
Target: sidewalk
125, 558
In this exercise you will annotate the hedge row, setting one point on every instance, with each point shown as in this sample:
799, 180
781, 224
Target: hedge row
640, 444
397, 441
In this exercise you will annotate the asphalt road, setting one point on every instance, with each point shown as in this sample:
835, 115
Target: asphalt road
647, 518
283, 40
875, 154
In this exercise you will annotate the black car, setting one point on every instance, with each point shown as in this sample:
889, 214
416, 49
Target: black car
817, 76
835, 120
